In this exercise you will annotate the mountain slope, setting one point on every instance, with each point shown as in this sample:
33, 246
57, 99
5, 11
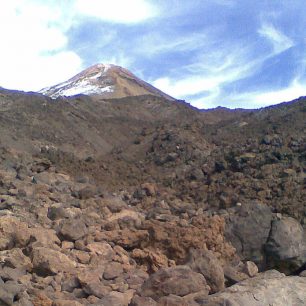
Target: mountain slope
102, 199
106, 80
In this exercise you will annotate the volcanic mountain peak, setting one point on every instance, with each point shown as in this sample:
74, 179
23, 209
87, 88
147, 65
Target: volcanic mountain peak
106, 80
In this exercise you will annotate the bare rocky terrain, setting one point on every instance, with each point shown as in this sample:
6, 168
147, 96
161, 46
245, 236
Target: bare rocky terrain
145, 200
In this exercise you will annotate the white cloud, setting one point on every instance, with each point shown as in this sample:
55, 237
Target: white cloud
119, 59
117, 11
261, 99
209, 73
279, 40
187, 86
33, 45
158, 43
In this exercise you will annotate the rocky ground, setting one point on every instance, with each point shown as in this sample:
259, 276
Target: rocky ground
117, 207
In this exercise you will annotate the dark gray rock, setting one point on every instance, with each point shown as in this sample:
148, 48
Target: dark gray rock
286, 246
248, 230
55, 213
73, 229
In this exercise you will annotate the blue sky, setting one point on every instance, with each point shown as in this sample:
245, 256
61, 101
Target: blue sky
233, 53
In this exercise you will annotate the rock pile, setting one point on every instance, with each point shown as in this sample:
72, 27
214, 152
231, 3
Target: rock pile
175, 212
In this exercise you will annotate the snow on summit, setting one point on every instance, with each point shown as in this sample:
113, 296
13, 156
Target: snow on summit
91, 81
106, 80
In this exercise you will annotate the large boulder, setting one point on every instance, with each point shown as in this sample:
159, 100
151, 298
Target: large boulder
268, 288
179, 280
248, 230
286, 246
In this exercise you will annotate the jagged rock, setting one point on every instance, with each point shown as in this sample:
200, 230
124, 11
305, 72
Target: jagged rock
179, 280
268, 288
206, 263
286, 246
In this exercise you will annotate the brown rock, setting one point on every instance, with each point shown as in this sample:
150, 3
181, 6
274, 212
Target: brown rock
14, 233
67, 245
88, 276
102, 249
81, 256
142, 301
45, 237
128, 238
115, 298
112, 271
150, 189
172, 300
16, 259
206, 263
203, 233
153, 260
41, 299
49, 262
96, 289
180, 280
73, 229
